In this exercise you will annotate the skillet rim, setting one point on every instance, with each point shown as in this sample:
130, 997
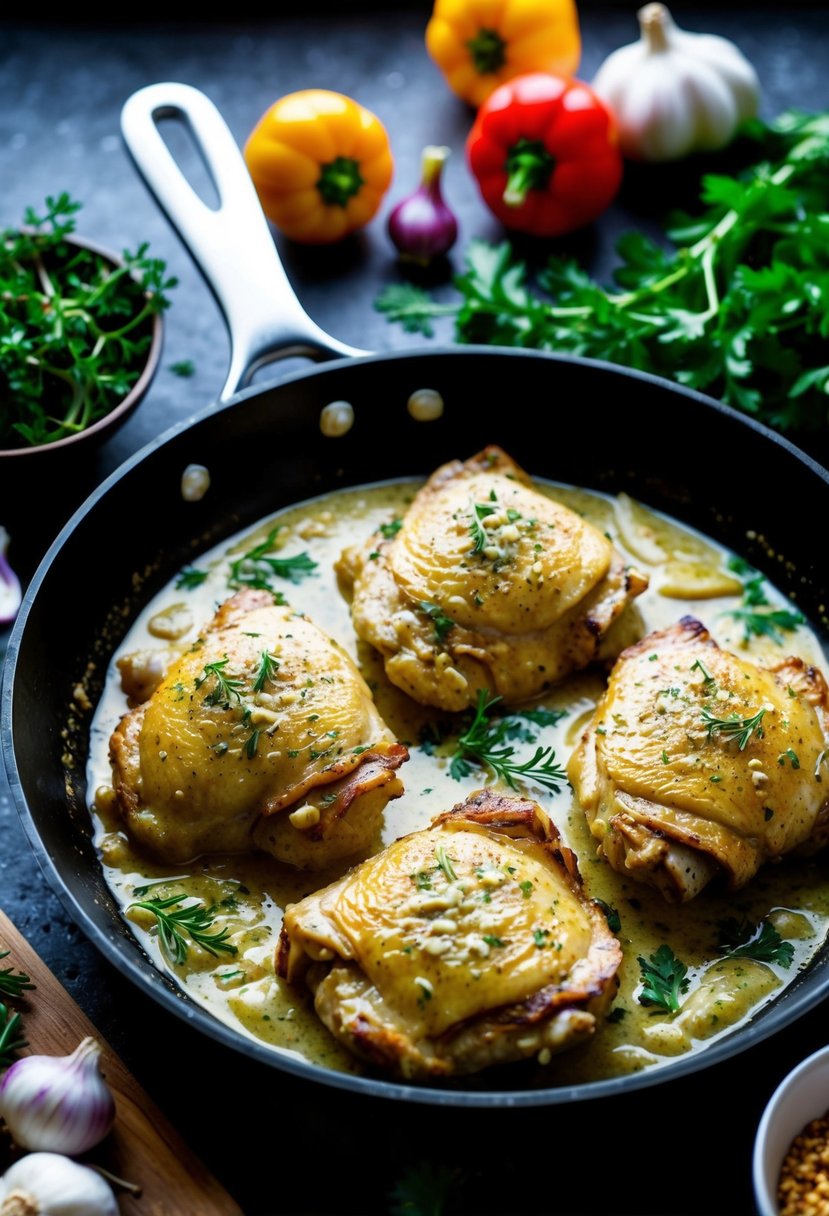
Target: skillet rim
136, 966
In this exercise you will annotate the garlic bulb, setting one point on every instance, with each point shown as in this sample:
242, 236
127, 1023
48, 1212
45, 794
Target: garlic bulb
59, 1104
49, 1184
674, 92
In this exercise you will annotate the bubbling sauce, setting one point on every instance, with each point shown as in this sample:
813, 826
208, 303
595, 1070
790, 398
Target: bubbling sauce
689, 574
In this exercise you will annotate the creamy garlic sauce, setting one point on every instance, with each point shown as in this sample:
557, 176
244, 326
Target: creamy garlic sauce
688, 574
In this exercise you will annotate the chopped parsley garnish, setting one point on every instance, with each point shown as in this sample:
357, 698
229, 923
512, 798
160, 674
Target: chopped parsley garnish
791, 755
391, 529
526, 888
664, 979
494, 942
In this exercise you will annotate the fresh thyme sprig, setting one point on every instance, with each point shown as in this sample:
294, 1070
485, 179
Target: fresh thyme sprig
734, 727
742, 939
268, 667
226, 688
12, 982
11, 1035
176, 923
75, 329
255, 568
484, 743
664, 979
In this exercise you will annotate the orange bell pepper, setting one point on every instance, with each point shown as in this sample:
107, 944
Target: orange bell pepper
321, 164
480, 44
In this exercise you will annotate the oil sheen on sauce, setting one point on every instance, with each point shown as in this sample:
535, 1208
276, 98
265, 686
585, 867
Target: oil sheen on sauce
688, 574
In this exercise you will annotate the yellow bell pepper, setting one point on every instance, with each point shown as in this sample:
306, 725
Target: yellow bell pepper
480, 44
321, 164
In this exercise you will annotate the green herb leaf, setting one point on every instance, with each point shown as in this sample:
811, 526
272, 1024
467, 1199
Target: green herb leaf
75, 329
483, 743
734, 727
741, 939
255, 568
11, 1036
176, 923
189, 578
664, 979
441, 622
736, 304
12, 982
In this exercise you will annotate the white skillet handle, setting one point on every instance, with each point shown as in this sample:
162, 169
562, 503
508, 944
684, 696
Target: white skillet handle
231, 244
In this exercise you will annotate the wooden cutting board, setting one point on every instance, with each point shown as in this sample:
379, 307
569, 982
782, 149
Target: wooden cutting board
143, 1147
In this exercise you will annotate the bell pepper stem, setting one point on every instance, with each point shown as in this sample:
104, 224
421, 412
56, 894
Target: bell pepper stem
529, 166
339, 181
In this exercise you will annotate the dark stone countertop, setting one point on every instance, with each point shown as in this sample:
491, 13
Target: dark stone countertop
280, 1145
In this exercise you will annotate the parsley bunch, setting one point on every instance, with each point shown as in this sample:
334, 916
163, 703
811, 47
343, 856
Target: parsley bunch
737, 308
75, 330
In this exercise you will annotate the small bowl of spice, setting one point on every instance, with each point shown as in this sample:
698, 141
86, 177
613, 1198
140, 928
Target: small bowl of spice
791, 1148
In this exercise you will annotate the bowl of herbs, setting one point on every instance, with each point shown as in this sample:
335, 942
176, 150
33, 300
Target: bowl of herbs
81, 333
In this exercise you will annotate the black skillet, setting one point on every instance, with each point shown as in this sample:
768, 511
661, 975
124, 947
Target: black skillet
565, 419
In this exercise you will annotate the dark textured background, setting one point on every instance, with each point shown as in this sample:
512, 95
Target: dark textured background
281, 1146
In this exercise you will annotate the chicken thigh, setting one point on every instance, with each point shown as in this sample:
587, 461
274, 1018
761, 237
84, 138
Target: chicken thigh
489, 584
697, 763
262, 735
467, 944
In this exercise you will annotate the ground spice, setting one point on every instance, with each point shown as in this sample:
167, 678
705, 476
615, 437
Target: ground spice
803, 1186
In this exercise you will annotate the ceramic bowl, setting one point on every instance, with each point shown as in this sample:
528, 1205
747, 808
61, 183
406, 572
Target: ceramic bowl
31, 457
801, 1096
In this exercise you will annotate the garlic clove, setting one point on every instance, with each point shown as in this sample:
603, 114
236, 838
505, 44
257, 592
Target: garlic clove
50, 1184
675, 92
10, 591
58, 1103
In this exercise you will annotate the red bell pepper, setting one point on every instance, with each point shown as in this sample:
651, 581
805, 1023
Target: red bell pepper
545, 154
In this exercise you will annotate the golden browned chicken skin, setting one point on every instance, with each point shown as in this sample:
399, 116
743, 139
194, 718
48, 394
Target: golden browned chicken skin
467, 944
697, 763
489, 584
262, 735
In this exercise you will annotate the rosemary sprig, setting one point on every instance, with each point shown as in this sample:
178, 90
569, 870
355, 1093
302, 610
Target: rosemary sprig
734, 727
484, 743
13, 983
177, 923
11, 1035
